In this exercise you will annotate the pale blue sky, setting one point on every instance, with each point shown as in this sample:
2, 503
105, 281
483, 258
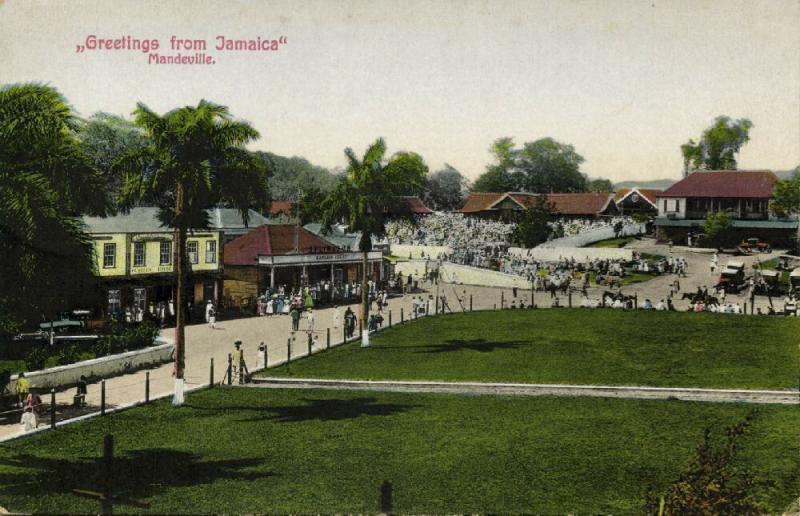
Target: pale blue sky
625, 82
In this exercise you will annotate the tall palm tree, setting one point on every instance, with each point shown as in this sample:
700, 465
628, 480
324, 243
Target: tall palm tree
365, 198
46, 182
195, 160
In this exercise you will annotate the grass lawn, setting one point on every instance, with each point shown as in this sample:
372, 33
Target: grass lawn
288, 451
576, 346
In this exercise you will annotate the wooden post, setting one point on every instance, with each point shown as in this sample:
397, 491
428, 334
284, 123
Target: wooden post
502, 300
289, 349
309, 343
108, 462
102, 397
402, 316
53, 409
390, 318
360, 326
147, 386
436, 306
470, 302
569, 298
636, 300
230, 369
386, 498
211, 374
495, 306
344, 332
328, 339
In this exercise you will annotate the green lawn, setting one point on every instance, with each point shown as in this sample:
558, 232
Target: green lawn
575, 346
287, 451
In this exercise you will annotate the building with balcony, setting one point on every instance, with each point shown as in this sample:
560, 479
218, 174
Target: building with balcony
744, 194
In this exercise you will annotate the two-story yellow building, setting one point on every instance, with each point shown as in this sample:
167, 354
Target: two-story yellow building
135, 259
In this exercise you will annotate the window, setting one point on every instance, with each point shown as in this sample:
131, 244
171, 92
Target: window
138, 254
191, 250
665, 205
114, 301
165, 253
677, 205
109, 256
211, 251
140, 298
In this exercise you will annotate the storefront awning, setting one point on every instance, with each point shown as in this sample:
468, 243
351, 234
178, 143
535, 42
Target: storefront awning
317, 259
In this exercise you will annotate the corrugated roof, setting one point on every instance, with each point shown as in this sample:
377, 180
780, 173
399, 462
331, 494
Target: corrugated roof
145, 220
273, 240
583, 203
741, 184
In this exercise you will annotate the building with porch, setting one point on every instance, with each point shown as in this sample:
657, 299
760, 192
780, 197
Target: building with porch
744, 194
135, 259
275, 255
505, 206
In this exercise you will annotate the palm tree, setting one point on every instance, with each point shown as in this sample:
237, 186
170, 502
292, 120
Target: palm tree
46, 183
195, 160
367, 196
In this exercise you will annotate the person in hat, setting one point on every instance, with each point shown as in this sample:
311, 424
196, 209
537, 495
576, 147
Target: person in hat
238, 361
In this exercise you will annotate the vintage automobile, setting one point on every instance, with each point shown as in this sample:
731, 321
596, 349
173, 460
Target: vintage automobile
794, 279
772, 282
731, 277
754, 245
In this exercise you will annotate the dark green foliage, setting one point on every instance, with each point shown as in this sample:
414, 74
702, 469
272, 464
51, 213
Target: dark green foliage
542, 166
533, 225
719, 145
121, 337
46, 182
445, 189
786, 196
599, 185
292, 175
719, 230
715, 482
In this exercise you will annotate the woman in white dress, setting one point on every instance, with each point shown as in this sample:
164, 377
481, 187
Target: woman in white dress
270, 308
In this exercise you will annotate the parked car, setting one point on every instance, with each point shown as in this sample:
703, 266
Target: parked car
731, 277
754, 245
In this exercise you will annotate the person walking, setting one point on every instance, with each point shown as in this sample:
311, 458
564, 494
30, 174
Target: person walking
23, 388
295, 314
310, 320
211, 314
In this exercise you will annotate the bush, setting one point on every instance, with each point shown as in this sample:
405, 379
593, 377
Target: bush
123, 337
37, 356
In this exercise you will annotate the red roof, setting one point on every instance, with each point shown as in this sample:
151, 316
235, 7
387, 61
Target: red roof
416, 205
278, 207
273, 240
740, 184
589, 203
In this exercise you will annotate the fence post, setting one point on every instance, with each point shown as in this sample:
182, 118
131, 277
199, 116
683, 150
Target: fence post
102, 397
390, 318
289, 349
636, 300
328, 339
360, 327
386, 498
147, 386
344, 332
309, 343
569, 298
53, 409
495, 306
402, 316
502, 300
211, 374
470, 302
230, 369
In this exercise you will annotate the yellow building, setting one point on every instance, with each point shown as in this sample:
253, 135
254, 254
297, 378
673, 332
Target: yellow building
135, 258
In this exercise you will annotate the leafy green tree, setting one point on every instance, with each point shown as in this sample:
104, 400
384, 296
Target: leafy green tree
599, 185
547, 166
533, 226
719, 230
786, 196
718, 146
445, 189
195, 160
713, 483
497, 177
365, 198
292, 176
107, 138
46, 182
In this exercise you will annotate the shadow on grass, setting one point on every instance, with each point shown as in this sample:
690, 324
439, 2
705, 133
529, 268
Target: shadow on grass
479, 345
310, 410
135, 474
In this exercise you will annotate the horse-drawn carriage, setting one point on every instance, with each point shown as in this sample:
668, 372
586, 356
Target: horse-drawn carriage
770, 283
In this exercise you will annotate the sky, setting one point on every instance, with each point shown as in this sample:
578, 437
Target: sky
624, 82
